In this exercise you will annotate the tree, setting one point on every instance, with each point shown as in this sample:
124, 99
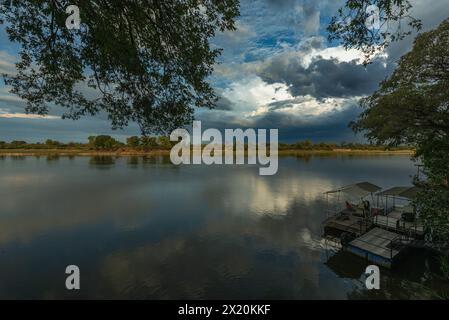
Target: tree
433, 199
52, 143
412, 107
17, 144
148, 143
133, 142
354, 24
164, 142
103, 142
142, 60
304, 145
91, 140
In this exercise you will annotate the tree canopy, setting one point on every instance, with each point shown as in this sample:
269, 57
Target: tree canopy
352, 25
412, 106
145, 61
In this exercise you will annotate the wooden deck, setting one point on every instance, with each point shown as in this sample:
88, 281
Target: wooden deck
346, 223
376, 246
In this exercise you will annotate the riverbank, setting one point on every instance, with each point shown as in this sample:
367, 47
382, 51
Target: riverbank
124, 152
347, 152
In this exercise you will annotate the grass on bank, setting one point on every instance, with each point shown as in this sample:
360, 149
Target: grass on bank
142, 145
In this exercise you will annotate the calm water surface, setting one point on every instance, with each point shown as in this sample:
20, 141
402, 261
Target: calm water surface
143, 228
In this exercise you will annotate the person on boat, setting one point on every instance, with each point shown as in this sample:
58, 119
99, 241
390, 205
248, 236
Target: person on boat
350, 206
366, 208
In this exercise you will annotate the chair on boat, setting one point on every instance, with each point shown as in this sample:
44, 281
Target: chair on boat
350, 207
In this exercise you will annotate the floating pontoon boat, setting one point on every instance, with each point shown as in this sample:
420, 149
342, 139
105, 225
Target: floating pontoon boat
349, 209
398, 213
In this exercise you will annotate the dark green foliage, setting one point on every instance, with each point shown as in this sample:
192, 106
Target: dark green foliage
304, 145
324, 146
142, 60
412, 107
149, 143
133, 142
18, 143
52, 143
433, 200
164, 142
349, 25
145, 143
104, 142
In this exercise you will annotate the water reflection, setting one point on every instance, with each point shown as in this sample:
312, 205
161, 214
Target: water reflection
144, 228
417, 277
101, 162
133, 161
52, 157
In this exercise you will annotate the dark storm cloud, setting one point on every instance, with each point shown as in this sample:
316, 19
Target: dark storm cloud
275, 119
325, 78
329, 127
224, 104
430, 15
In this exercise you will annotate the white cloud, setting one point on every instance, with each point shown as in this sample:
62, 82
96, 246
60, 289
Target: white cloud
254, 98
338, 53
8, 115
250, 93
308, 106
304, 53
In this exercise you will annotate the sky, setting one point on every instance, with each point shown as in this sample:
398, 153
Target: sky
277, 70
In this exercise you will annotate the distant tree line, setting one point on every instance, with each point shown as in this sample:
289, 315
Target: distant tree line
144, 143
101, 142
48, 144
326, 146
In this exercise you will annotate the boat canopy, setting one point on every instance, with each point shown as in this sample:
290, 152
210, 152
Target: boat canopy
401, 192
360, 190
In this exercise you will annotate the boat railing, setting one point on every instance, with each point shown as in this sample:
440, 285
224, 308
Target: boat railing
399, 225
410, 239
331, 213
359, 225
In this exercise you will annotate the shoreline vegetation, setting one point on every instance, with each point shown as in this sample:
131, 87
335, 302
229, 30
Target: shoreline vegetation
141, 146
